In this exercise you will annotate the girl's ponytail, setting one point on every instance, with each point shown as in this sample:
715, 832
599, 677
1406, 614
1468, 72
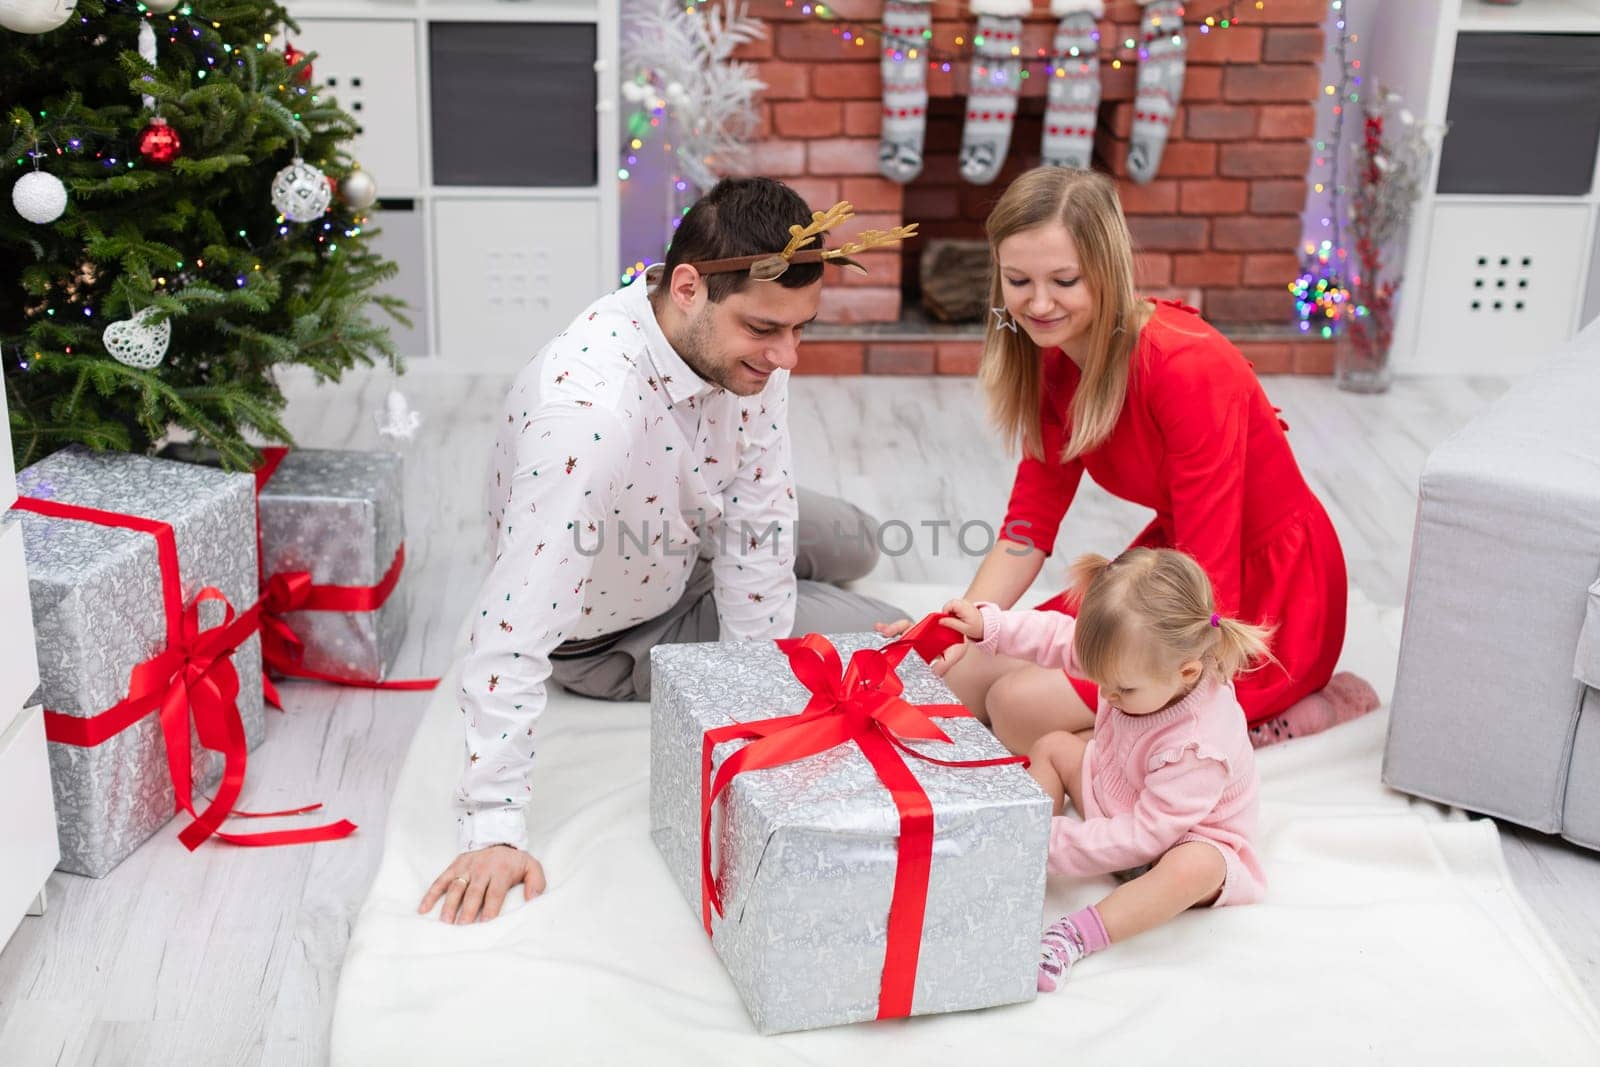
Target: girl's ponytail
1239, 644
1083, 572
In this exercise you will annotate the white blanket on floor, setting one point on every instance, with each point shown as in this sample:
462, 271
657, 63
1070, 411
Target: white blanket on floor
1392, 933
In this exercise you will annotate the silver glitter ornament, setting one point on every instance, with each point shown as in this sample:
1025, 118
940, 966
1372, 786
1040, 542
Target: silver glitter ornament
300, 192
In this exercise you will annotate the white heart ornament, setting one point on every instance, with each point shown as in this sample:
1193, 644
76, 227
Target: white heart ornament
135, 343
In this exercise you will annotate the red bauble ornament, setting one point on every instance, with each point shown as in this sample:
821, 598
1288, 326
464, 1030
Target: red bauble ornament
159, 143
293, 55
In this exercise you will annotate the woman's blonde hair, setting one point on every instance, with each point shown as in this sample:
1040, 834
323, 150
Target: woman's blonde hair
1153, 608
1085, 202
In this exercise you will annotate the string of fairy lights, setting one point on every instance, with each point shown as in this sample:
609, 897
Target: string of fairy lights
654, 111
1320, 292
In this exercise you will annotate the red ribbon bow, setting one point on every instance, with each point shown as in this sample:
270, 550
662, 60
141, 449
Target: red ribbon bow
281, 648
283, 593
192, 678
860, 704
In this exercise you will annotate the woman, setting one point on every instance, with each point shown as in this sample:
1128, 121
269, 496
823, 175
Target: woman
1161, 410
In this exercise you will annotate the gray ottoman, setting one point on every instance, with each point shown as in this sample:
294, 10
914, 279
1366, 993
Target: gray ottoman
1497, 700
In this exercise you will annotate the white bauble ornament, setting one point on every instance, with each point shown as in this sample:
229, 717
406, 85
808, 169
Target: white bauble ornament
161, 7
636, 92
136, 343
35, 16
300, 192
39, 197
359, 190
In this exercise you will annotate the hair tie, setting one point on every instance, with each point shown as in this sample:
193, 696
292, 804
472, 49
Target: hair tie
1216, 620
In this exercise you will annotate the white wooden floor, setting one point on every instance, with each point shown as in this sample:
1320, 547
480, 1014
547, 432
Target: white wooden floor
231, 956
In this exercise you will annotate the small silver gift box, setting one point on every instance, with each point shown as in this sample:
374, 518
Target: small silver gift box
98, 612
807, 851
339, 516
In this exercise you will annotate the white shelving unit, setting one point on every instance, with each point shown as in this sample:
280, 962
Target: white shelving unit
28, 846
1494, 282
503, 225
1532, 16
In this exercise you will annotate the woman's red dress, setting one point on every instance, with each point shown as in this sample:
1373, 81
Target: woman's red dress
1199, 443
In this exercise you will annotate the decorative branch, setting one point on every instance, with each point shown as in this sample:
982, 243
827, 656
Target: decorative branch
1392, 161
681, 59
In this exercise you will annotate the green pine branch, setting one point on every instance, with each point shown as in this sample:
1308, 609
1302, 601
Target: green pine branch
244, 291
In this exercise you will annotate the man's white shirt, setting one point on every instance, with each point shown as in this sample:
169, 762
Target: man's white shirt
614, 469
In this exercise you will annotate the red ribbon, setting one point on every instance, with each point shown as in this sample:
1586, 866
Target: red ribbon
861, 704
271, 456
282, 650
192, 679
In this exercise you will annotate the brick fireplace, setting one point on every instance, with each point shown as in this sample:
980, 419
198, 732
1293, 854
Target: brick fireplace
1219, 226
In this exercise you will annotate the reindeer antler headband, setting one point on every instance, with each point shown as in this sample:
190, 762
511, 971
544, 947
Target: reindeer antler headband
768, 266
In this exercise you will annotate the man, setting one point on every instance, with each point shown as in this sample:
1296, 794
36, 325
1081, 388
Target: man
642, 493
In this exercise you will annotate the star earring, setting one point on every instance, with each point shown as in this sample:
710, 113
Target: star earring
1003, 320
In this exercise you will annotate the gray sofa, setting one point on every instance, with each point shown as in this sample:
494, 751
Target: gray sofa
1497, 701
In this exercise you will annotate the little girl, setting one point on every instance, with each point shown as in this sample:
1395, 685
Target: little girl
1169, 777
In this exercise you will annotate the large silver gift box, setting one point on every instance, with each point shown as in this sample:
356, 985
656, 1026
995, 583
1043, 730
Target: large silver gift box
98, 613
807, 851
338, 515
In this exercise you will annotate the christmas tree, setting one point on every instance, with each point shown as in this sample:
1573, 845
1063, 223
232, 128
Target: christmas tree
193, 255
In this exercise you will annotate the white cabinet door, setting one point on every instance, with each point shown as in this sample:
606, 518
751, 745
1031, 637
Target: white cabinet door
19, 669
1500, 286
511, 275
8, 472
370, 67
28, 846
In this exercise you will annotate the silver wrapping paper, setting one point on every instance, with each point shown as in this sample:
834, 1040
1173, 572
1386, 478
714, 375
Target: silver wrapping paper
339, 516
97, 613
807, 851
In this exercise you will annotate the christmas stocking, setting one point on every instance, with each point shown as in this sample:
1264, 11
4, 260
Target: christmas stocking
1074, 91
1161, 48
905, 87
992, 95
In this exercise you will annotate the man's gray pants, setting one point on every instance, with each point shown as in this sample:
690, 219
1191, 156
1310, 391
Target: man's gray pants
617, 666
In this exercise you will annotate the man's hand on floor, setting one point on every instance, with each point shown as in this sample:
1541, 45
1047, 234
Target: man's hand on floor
475, 885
